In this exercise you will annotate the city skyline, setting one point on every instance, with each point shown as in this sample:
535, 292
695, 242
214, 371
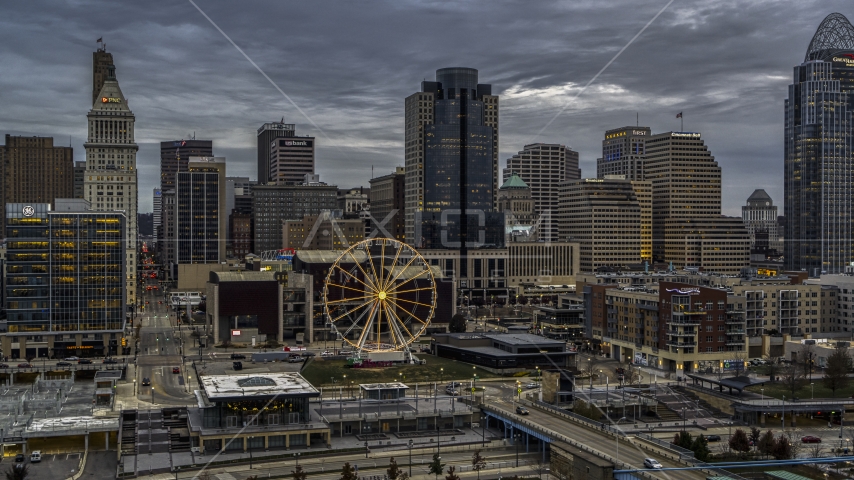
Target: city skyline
174, 67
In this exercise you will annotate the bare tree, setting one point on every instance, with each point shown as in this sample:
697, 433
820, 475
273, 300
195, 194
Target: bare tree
739, 359
478, 463
540, 467
561, 470
792, 377
815, 450
795, 444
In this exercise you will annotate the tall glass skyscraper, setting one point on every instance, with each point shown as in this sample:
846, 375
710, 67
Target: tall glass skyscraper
452, 163
818, 153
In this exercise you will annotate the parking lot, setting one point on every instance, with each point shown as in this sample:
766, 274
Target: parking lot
52, 465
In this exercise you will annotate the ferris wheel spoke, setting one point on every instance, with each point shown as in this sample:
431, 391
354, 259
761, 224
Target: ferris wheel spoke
376, 279
359, 266
382, 264
355, 278
402, 324
348, 288
391, 267
407, 311
352, 299
391, 332
356, 322
348, 312
390, 282
414, 302
360, 344
394, 290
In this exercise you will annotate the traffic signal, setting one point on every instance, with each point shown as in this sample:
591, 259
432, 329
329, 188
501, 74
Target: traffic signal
124, 342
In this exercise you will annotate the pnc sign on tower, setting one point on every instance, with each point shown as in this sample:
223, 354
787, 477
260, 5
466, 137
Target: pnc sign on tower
111, 100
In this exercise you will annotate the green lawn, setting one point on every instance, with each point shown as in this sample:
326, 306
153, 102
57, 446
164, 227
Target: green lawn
320, 372
777, 390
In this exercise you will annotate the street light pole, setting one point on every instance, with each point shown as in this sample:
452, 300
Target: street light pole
410, 458
516, 439
249, 447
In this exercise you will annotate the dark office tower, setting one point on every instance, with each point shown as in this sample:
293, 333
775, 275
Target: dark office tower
101, 63
387, 198
452, 163
819, 153
266, 134
200, 216
175, 155
79, 179
623, 153
34, 170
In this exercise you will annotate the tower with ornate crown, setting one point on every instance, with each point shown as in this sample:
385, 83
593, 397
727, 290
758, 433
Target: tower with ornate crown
110, 182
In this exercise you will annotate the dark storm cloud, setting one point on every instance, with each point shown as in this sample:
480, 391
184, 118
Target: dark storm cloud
349, 65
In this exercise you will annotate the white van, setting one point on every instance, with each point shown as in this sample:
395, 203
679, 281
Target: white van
36, 456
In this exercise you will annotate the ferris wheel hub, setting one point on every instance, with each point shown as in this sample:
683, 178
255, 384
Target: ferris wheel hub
382, 295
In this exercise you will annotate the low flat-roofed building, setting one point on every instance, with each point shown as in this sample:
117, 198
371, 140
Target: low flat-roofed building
501, 351
383, 391
565, 323
256, 410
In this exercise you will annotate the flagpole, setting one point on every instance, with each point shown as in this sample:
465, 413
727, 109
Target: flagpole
682, 122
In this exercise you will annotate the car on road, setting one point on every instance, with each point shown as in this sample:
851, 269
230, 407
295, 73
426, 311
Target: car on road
36, 456
327, 354
176, 370
110, 360
237, 365
4, 365
308, 354
454, 385
24, 365
651, 463
295, 359
451, 392
810, 439
713, 438
238, 356
146, 381
63, 364
19, 457
84, 361
522, 410
72, 359
530, 386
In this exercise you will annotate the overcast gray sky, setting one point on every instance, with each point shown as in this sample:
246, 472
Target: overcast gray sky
349, 65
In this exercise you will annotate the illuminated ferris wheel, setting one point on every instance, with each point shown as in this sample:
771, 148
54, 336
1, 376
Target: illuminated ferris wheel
379, 295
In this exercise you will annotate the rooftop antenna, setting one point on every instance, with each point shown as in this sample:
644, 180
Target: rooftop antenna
637, 119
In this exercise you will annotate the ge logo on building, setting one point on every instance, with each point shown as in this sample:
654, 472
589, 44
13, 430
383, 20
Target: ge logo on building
29, 211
